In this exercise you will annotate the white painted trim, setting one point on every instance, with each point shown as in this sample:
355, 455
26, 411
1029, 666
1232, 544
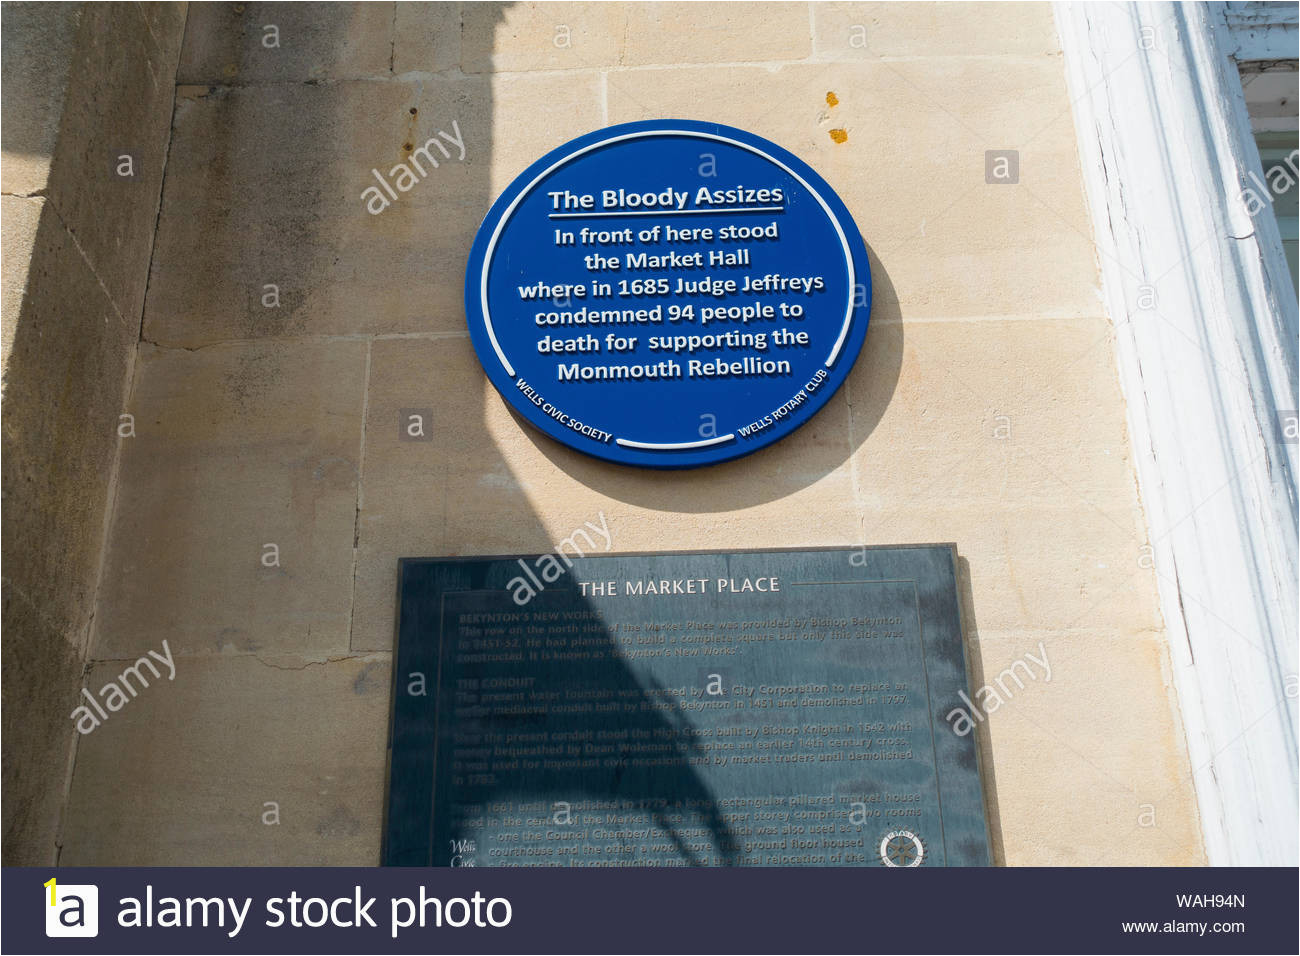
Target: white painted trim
1260, 32
1166, 153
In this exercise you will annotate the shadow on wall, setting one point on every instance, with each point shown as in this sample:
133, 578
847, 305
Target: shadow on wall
800, 461
666, 786
303, 239
656, 785
84, 140
645, 747
268, 158
60, 414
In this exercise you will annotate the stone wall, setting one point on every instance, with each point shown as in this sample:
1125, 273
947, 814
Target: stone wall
267, 495
84, 86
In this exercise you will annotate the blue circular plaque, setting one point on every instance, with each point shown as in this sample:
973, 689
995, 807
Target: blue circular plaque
668, 293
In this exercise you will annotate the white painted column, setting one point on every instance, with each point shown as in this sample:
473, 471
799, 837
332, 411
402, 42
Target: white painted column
1206, 341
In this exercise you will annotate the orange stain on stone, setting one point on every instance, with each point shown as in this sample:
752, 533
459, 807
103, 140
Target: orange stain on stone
832, 99
408, 147
839, 135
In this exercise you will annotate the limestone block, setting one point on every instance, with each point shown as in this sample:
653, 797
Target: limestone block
119, 104
516, 37
238, 448
63, 383
21, 217
239, 43
192, 770
672, 33
994, 414
513, 37
427, 36
1092, 763
854, 30
42, 677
